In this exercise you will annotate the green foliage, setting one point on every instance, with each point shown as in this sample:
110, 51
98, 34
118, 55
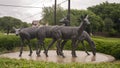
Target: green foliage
109, 46
8, 42
108, 24
97, 23
112, 32
103, 17
108, 10
7, 23
48, 15
14, 63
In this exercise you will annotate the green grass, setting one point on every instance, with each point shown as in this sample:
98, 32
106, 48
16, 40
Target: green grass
22, 63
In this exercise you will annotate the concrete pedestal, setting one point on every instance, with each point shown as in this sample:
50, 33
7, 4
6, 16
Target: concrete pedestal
53, 57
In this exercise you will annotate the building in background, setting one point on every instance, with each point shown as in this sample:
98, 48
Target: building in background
35, 23
38, 23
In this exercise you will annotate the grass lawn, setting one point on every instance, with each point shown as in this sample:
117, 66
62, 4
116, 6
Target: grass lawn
22, 63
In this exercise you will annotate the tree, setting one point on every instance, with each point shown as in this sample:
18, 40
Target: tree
108, 10
7, 23
108, 24
48, 14
96, 25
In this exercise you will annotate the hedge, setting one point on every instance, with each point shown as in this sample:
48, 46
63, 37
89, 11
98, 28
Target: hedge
109, 46
8, 42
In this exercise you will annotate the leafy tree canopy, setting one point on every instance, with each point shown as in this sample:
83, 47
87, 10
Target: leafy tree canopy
7, 23
108, 10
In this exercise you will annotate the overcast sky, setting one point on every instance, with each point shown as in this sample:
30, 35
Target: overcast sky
30, 14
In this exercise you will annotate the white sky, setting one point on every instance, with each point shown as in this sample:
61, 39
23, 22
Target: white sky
30, 14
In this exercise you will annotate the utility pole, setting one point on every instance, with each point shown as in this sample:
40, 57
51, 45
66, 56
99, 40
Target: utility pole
55, 12
68, 15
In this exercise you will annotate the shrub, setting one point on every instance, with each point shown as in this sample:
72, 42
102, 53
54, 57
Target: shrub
109, 46
8, 42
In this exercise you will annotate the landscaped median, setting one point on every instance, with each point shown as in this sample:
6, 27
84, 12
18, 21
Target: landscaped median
109, 46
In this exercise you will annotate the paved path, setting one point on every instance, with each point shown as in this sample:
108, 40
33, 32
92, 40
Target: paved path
81, 57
